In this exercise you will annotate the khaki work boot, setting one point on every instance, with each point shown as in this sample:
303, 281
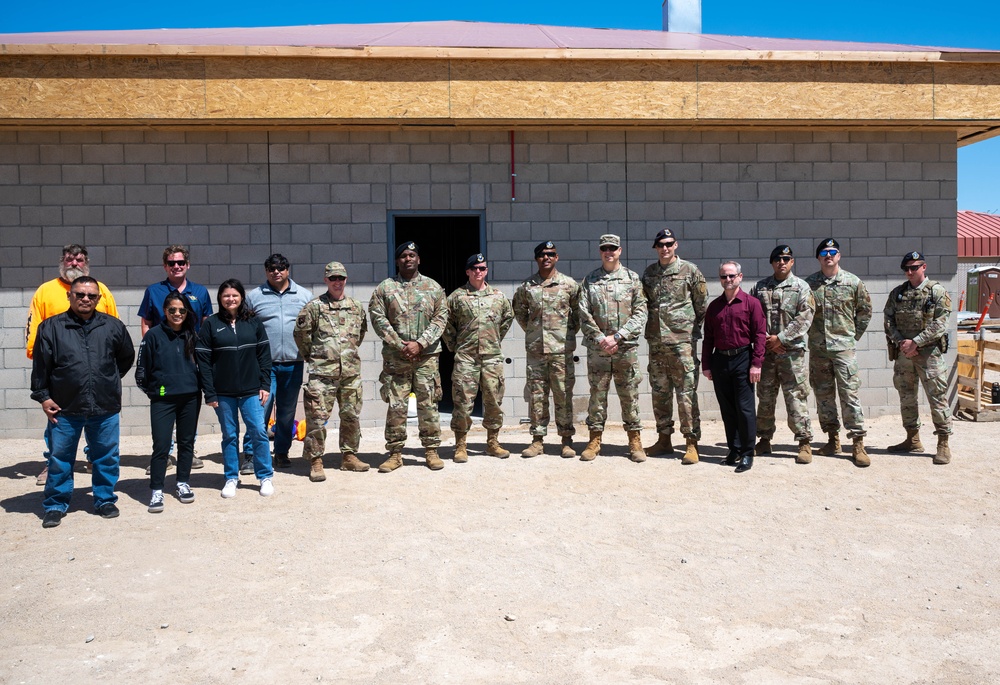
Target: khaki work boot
661, 447
691, 453
593, 447
635, 451
316, 473
567, 447
493, 446
394, 461
943, 455
805, 455
911, 444
763, 447
350, 462
461, 449
536, 448
831, 447
434, 462
861, 457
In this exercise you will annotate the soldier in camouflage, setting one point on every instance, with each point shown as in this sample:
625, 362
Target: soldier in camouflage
788, 311
328, 332
547, 307
916, 329
612, 316
409, 313
479, 317
843, 312
678, 298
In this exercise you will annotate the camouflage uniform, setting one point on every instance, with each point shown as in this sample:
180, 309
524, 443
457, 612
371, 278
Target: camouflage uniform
613, 303
921, 314
549, 312
478, 320
328, 333
404, 310
788, 310
678, 299
843, 312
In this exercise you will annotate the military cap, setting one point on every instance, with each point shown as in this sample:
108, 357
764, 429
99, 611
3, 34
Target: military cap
407, 246
542, 247
826, 245
663, 235
477, 258
611, 239
781, 251
335, 269
912, 257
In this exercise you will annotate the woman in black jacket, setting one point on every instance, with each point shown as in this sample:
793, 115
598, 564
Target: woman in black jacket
167, 373
234, 360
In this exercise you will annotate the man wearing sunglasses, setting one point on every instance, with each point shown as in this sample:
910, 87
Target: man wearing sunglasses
547, 307
176, 262
843, 312
788, 312
612, 317
916, 328
479, 317
678, 297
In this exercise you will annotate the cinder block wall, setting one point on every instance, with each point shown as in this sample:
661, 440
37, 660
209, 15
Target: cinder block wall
235, 197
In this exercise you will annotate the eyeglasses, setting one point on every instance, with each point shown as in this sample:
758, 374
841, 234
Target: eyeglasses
176, 262
729, 277
336, 278
665, 243
913, 267
828, 253
546, 254
478, 268
271, 269
608, 248
176, 310
86, 296
783, 259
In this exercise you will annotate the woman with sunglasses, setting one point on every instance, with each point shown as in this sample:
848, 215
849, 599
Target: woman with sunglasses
168, 374
234, 360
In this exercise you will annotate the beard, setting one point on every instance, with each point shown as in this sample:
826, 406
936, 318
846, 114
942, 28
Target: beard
70, 274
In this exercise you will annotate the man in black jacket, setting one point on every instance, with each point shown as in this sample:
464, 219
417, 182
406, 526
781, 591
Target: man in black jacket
79, 359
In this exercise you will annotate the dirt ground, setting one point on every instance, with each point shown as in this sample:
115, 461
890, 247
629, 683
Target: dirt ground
517, 571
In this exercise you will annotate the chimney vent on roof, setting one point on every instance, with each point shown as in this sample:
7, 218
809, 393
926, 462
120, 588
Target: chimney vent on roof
682, 16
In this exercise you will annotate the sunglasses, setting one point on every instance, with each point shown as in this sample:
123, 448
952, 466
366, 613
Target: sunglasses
175, 262
276, 268
664, 243
828, 253
478, 268
608, 248
782, 259
176, 310
86, 296
336, 278
913, 267
546, 254
729, 277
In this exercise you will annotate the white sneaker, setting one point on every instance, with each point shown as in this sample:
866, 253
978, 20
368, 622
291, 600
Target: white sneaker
230, 488
266, 488
156, 502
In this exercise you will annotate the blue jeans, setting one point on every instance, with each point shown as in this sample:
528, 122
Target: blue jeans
228, 411
286, 380
102, 433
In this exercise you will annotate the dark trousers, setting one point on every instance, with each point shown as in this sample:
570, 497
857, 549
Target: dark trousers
731, 378
164, 412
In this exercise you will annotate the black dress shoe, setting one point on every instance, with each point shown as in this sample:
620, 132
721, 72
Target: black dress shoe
746, 463
282, 461
52, 518
731, 459
108, 510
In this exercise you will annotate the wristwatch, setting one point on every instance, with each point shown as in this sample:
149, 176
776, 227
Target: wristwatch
618, 337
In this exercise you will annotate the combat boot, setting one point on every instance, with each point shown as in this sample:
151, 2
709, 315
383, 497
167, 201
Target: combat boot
805, 454
461, 449
691, 453
567, 447
350, 462
593, 447
316, 473
635, 451
911, 444
536, 448
394, 461
763, 447
860, 455
661, 447
434, 462
943, 455
832, 445
493, 446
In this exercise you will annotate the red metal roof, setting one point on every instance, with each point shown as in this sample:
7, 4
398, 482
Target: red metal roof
978, 234
453, 34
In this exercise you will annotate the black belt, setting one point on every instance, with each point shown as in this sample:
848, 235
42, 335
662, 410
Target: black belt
733, 352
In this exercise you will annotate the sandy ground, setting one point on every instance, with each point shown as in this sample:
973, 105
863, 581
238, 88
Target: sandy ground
518, 571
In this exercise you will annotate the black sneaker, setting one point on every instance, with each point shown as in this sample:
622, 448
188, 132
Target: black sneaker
155, 503
246, 466
184, 493
282, 461
108, 510
52, 518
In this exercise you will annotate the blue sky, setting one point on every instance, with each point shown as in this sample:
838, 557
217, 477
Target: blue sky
958, 23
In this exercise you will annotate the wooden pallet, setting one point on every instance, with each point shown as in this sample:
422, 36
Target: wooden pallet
974, 391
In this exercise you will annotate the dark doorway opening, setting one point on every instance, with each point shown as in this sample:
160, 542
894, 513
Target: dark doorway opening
445, 242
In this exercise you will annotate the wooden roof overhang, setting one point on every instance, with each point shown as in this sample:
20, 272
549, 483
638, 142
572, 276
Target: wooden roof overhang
158, 85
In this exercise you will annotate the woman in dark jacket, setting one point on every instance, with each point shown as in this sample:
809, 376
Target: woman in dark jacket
167, 373
234, 360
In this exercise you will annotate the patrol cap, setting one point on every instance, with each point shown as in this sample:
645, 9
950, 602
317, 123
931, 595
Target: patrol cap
611, 239
477, 258
542, 247
912, 257
781, 251
826, 245
335, 269
407, 246
663, 235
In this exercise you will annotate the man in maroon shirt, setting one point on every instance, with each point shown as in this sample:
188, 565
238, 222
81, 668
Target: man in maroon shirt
732, 354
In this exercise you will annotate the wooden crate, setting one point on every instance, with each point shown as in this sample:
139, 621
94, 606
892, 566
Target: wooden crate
974, 388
